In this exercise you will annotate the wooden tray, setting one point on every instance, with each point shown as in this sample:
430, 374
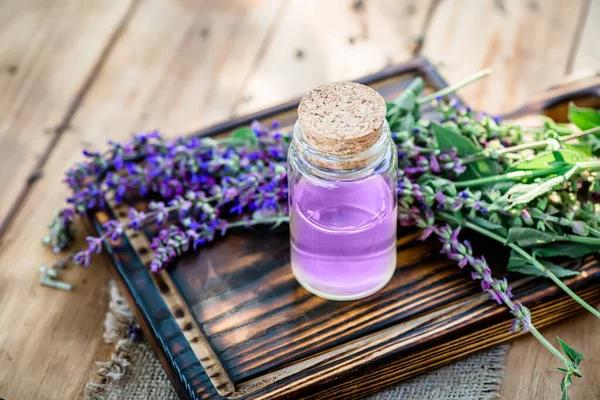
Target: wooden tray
231, 321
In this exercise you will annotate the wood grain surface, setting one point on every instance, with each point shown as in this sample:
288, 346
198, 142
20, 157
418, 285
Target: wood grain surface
526, 43
586, 57
46, 67
102, 69
314, 42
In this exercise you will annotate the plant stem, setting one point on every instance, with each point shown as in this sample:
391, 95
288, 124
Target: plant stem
269, 220
553, 350
229, 140
540, 144
511, 176
580, 134
526, 255
453, 88
555, 279
582, 239
573, 238
594, 232
509, 303
590, 165
518, 175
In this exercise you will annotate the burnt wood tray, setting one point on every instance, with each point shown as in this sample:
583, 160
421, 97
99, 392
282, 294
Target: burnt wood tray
230, 321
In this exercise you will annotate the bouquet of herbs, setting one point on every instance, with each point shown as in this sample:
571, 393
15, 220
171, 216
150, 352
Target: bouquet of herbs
536, 192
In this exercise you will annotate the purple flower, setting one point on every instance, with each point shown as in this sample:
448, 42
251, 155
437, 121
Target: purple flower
137, 218
496, 295
456, 206
580, 228
440, 198
459, 168
90, 153
94, 244
522, 322
455, 234
112, 229
516, 325
118, 162
434, 165
427, 232
83, 258
155, 265
499, 290
526, 217
160, 212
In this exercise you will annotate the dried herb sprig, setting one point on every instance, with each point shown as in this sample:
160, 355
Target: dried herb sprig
244, 174
500, 291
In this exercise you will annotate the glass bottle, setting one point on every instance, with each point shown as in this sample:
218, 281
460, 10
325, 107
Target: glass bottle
342, 175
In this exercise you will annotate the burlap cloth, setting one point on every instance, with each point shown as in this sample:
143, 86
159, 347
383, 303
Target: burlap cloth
134, 372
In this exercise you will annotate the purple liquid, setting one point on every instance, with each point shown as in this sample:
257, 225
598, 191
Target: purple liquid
343, 237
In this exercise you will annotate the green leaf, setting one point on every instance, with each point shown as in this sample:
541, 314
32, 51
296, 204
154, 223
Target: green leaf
524, 193
407, 123
526, 237
516, 260
584, 118
484, 223
572, 250
561, 129
502, 187
545, 160
438, 183
584, 150
520, 264
559, 271
570, 352
448, 138
243, 132
404, 112
393, 121
521, 193
564, 384
416, 86
486, 167
407, 101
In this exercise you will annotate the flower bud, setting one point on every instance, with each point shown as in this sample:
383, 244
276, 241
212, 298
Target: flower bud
526, 217
580, 228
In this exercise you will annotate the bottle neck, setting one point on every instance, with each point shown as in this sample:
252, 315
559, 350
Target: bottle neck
340, 167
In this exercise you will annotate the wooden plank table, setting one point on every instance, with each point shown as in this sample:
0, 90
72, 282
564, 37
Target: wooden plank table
76, 73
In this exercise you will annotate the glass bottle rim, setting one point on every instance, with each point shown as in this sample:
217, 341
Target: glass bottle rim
366, 159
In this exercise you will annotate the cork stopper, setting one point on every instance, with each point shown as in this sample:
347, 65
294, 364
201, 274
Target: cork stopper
342, 118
